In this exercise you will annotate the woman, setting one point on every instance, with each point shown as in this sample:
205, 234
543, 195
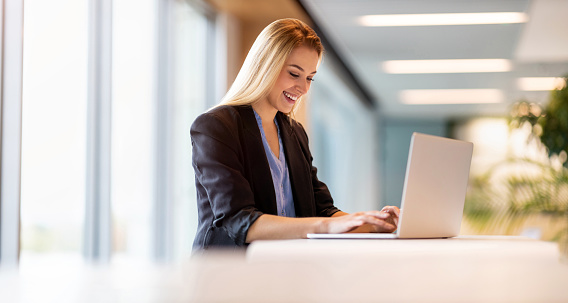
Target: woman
253, 167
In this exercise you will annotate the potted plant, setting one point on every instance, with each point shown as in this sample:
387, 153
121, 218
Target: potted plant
517, 189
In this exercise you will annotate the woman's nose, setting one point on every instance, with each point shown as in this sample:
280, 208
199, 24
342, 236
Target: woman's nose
303, 87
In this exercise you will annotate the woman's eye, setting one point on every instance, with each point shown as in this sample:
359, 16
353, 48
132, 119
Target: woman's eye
311, 79
294, 75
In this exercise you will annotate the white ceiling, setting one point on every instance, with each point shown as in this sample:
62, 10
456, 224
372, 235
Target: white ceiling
538, 48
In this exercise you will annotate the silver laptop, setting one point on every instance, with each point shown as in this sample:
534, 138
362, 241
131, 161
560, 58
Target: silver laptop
434, 191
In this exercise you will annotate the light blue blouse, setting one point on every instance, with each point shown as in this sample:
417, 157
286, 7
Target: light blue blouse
279, 171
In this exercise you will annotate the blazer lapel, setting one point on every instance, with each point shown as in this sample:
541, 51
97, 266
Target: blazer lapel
258, 169
298, 169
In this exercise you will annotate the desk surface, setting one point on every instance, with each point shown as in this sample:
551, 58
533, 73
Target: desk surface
474, 269
463, 269
493, 247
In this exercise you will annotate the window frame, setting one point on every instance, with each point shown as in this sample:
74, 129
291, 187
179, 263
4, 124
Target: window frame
11, 129
97, 229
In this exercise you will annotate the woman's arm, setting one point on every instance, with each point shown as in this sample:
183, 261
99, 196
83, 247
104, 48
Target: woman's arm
269, 227
225, 199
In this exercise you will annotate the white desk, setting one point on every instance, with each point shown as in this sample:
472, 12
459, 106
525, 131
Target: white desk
446, 270
467, 269
464, 247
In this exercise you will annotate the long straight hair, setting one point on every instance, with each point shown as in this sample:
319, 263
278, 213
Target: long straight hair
266, 59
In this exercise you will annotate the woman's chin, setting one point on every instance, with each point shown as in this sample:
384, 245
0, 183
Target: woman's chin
286, 110
286, 107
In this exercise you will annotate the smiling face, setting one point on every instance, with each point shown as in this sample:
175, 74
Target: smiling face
294, 79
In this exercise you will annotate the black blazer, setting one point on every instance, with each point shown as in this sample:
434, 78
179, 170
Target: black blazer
233, 180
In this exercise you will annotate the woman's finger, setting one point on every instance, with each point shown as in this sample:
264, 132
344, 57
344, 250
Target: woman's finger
375, 213
373, 220
392, 210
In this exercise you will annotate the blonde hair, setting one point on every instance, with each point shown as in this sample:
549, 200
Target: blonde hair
266, 59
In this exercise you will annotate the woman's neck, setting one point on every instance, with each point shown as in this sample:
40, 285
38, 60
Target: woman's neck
265, 111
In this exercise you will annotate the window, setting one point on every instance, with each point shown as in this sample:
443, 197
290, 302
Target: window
190, 98
133, 128
150, 120
53, 128
344, 161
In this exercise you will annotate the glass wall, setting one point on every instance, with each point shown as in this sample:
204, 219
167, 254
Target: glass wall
344, 141
136, 131
53, 128
191, 72
133, 127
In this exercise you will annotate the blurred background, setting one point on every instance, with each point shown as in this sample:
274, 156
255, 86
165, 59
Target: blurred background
110, 89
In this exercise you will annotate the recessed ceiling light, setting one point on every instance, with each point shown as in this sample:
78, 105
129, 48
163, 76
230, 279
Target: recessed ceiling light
451, 96
540, 83
442, 19
446, 66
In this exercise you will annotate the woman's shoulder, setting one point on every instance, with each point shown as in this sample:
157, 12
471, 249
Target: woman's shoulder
228, 115
224, 112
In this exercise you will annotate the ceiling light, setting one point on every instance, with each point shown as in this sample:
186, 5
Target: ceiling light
540, 83
446, 66
442, 19
451, 96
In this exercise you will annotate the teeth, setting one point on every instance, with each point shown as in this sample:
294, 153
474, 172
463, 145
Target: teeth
290, 96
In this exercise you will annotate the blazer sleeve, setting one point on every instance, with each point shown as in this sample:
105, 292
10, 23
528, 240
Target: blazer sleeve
322, 196
218, 162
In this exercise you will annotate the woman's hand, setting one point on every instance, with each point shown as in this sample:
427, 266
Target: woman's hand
385, 221
394, 215
271, 227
